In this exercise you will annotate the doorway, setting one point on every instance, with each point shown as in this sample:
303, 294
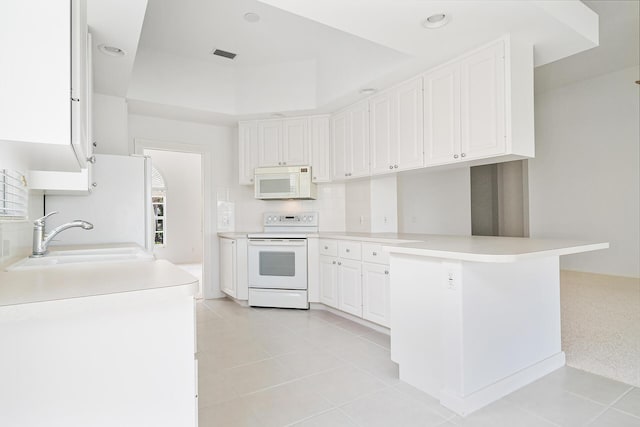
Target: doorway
182, 207
176, 194
500, 199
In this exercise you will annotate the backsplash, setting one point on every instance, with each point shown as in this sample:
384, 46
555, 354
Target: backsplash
15, 240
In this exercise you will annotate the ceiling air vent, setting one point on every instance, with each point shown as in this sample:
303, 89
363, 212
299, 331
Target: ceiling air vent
224, 54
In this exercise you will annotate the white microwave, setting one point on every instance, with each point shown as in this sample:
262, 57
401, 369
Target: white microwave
284, 182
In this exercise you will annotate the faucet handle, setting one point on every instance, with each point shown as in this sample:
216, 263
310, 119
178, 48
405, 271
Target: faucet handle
40, 221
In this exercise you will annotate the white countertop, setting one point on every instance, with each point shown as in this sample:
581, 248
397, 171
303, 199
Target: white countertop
466, 248
492, 249
90, 279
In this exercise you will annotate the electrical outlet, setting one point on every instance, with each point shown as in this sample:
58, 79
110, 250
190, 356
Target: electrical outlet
361, 219
385, 219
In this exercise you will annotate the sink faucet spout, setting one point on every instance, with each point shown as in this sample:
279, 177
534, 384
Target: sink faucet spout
41, 242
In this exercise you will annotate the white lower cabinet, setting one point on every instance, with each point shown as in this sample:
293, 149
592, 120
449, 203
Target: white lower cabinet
350, 286
375, 293
329, 281
233, 268
354, 278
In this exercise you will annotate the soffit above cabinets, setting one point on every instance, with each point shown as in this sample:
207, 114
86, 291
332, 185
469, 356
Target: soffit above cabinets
309, 56
114, 23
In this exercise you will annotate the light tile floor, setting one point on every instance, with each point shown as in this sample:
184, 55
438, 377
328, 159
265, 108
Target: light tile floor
269, 367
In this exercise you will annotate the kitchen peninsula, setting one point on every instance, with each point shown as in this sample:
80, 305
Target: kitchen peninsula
475, 318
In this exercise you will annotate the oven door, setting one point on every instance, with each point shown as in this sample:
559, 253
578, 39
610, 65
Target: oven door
278, 263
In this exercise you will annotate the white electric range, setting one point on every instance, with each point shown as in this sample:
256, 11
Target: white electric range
277, 260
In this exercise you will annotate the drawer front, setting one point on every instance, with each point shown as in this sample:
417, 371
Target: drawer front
350, 250
372, 252
328, 247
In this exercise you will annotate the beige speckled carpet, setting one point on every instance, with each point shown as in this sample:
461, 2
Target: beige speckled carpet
601, 324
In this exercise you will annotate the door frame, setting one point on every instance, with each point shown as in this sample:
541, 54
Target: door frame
210, 288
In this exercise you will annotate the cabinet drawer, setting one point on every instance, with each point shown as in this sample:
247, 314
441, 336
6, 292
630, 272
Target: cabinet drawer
329, 247
372, 252
350, 250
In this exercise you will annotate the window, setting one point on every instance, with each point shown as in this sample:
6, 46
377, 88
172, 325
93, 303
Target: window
159, 204
13, 195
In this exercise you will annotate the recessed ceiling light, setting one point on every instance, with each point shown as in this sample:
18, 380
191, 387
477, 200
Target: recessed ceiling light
111, 50
367, 91
436, 21
251, 17
277, 115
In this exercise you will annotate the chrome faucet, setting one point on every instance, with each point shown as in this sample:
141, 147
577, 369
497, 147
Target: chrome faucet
41, 242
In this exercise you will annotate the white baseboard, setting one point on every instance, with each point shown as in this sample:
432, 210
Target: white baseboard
481, 398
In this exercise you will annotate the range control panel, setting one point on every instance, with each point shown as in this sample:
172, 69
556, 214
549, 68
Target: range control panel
287, 219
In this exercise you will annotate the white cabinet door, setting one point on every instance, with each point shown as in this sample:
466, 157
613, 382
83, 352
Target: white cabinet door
295, 142
329, 281
482, 106
320, 149
397, 128
350, 286
375, 290
339, 130
73, 183
80, 96
442, 115
228, 271
384, 124
270, 143
409, 126
40, 58
358, 152
247, 151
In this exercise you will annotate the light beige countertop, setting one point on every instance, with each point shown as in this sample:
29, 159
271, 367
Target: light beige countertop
467, 248
90, 279
235, 234
492, 249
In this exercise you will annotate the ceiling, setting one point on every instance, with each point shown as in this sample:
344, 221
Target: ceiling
307, 56
619, 47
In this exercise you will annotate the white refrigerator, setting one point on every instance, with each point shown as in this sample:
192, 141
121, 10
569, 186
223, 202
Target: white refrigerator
119, 206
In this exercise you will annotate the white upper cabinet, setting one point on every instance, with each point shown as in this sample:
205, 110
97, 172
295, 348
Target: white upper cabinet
339, 125
283, 142
44, 94
270, 143
247, 151
264, 143
320, 148
482, 106
396, 120
465, 108
351, 142
442, 115
295, 142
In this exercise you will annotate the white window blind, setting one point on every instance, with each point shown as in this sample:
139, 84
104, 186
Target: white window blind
13, 195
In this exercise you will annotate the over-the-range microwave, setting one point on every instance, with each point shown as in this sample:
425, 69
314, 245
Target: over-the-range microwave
284, 182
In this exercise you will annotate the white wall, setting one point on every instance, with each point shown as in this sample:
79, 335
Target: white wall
358, 205
184, 82
220, 142
384, 204
435, 202
584, 182
183, 214
16, 236
330, 206
110, 124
